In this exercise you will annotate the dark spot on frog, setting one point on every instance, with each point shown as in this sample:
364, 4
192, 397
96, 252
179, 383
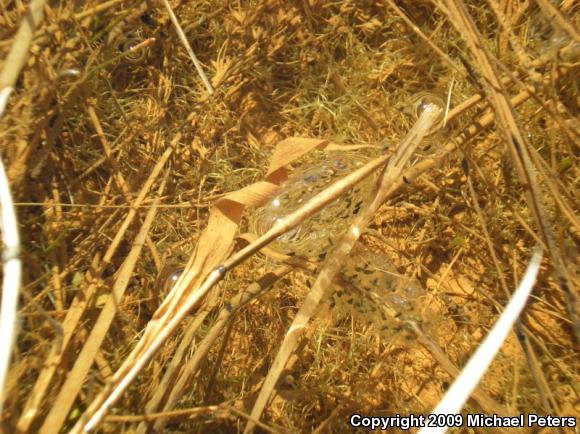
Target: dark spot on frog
338, 163
146, 18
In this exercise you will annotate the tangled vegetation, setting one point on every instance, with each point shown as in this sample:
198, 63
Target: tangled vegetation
116, 153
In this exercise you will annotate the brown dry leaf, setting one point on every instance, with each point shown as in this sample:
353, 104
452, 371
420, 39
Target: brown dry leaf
290, 150
216, 241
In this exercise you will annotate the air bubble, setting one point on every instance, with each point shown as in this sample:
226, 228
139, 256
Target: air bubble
169, 278
127, 46
426, 101
69, 73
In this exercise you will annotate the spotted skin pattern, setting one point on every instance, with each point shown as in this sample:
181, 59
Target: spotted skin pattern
316, 236
373, 293
369, 289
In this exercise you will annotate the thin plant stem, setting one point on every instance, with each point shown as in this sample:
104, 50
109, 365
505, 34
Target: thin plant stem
188, 48
12, 269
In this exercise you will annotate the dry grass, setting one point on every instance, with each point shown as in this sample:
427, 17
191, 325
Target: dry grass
116, 156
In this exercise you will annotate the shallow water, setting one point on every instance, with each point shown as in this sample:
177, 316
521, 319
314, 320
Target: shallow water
316, 235
369, 288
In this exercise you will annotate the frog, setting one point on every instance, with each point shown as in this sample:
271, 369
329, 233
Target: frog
374, 294
314, 237
369, 289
